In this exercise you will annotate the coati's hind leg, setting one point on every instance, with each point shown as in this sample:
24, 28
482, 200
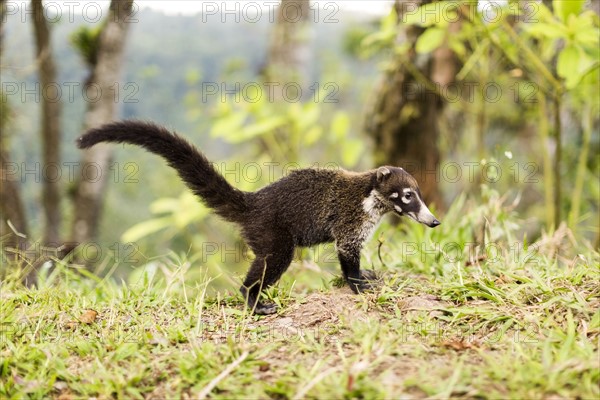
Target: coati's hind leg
358, 280
266, 269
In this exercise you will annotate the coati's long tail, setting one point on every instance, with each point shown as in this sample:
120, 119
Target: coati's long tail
191, 165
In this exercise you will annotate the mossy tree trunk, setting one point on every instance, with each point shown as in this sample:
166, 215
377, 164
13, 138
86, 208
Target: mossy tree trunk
403, 120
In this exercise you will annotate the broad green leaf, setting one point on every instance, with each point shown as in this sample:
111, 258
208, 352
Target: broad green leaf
540, 13
188, 214
430, 40
376, 38
546, 30
572, 63
351, 151
564, 8
588, 36
164, 205
257, 129
312, 135
389, 22
145, 228
310, 115
568, 60
340, 125
228, 125
458, 47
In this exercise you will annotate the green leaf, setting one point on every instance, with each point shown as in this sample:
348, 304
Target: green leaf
588, 36
351, 152
228, 125
389, 22
572, 63
568, 60
189, 210
312, 135
257, 129
145, 228
340, 125
164, 205
309, 117
546, 30
457, 46
430, 40
564, 8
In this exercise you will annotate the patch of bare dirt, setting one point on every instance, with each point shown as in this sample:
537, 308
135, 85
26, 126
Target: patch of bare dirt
426, 303
319, 308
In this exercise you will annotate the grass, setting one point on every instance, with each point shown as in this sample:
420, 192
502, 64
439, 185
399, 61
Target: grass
520, 322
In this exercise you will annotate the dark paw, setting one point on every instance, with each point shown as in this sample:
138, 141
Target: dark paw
265, 308
368, 275
258, 307
366, 283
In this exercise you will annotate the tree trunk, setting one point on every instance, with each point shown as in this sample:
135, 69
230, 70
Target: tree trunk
11, 204
404, 117
289, 49
50, 126
95, 162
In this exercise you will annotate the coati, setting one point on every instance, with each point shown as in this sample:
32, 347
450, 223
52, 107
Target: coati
305, 208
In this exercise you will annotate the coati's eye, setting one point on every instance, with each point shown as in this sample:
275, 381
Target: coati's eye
407, 197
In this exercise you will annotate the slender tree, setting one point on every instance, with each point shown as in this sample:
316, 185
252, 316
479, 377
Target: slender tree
12, 212
105, 56
403, 119
289, 54
50, 125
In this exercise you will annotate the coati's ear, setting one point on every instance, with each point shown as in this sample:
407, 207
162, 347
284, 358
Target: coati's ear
382, 173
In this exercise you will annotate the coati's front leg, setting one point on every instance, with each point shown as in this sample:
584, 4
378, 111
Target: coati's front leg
349, 256
265, 271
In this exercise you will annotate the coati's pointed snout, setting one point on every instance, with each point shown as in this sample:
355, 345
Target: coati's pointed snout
426, 217
434, 223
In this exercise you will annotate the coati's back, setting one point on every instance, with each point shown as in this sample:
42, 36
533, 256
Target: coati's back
309, 203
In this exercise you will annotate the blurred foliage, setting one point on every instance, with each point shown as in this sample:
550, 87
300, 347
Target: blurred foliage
86, 40
165, 72
548, 63
288, 130
534, 63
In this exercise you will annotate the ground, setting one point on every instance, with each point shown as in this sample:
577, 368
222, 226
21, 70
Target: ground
414, 338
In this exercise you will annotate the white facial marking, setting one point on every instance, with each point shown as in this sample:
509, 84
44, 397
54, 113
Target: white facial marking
394, 195
406, 190
398, 208
413, 215
405, 200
